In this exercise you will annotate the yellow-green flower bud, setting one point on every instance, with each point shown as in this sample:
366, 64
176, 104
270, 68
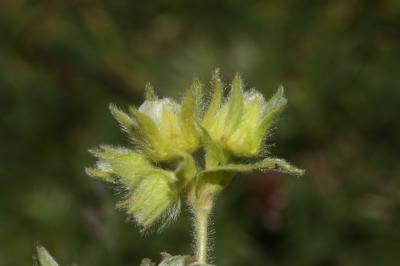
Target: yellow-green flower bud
121, 164
241, 122
162, 128
152, 196
232, 128
153, 200
257, 118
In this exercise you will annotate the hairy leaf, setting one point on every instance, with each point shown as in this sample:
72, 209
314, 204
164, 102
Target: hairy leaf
44, 257
273, 164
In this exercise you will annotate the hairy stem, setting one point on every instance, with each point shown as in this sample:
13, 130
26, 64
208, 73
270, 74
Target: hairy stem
201, 217
202, 203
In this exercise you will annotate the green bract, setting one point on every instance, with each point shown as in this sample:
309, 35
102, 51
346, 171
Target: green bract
163, 167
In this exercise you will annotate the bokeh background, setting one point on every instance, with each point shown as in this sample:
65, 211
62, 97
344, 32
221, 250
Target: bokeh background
62, 62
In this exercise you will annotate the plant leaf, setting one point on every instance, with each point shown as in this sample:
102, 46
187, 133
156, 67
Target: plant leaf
44, 257
273, 164
147, 262
176, 261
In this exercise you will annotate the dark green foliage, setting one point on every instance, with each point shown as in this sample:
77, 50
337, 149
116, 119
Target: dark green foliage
62, 62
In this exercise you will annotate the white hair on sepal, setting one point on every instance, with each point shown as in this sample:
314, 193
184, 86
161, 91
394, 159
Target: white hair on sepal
122, 118
268, 134
201, 101
136, 146
208, 96
252, 94
265, 146
126, 194
104, 166
169, 210
169, 216
116, 148
150, 94
125, 121
155, 109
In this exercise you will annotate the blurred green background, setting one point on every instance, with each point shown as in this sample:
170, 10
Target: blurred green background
62, 62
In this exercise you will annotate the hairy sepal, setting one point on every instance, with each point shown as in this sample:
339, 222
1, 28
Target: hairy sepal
273, 108
186, 170
214, 155
243, 141
150, 94
216, 99
126, 165
149, 136
190, 113
154, 200
235, 108
126, 122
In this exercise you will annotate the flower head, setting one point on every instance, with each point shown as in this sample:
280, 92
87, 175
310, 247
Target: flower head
150, 190
163, 167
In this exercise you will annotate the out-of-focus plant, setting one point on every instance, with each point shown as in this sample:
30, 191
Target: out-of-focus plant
189, 151
43, 257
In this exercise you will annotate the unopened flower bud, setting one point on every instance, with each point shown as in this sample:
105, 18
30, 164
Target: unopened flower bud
240, 122
153, 200
162, 128
151, 195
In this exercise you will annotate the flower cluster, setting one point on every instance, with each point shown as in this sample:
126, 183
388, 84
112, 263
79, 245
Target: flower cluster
188, 151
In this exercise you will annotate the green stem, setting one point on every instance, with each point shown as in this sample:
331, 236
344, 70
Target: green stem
201, 217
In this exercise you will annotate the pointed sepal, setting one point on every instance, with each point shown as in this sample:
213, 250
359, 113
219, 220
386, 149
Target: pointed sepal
216, 99
124, 165
150, 94
273, 108
235, 108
